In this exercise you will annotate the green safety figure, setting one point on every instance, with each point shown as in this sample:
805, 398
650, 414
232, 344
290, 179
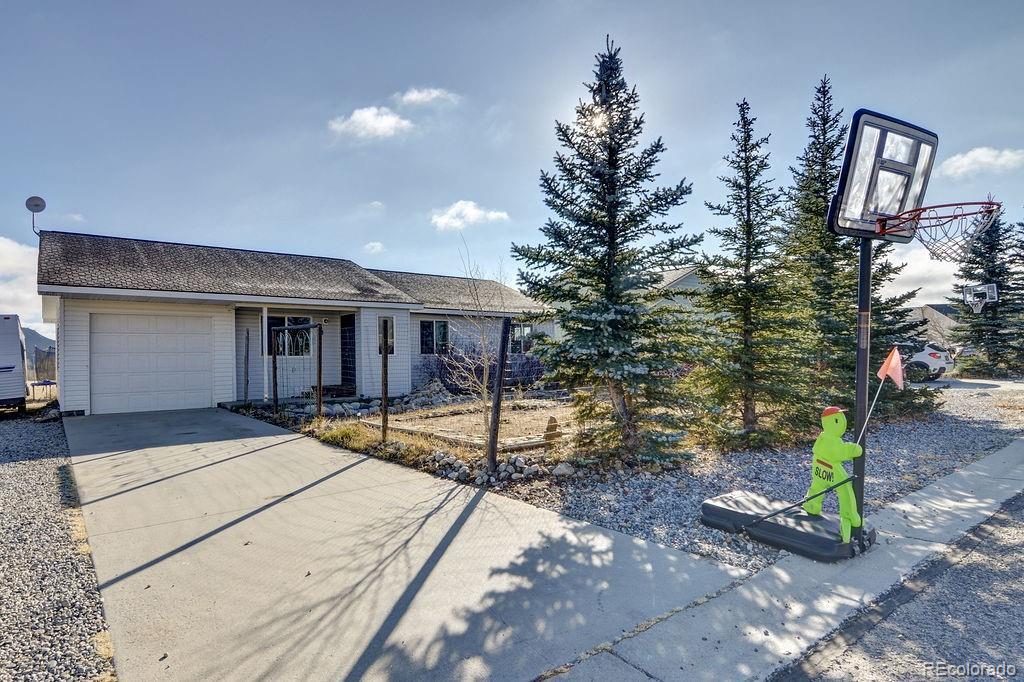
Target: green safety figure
830, 451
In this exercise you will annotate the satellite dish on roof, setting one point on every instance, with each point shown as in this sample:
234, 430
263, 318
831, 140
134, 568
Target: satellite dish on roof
35, 205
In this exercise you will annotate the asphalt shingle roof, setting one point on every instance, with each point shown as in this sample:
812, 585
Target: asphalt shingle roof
670, 276
460, 293
84, 260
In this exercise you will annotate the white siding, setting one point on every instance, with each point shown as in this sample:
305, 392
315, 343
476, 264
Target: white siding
73, 344
12, 354
463, 330
368, 358
249, 319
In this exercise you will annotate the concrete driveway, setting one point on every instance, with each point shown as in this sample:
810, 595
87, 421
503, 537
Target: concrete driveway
227, 548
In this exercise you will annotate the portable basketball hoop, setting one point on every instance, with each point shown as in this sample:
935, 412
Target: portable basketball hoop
880, 198
948, 231
977, 295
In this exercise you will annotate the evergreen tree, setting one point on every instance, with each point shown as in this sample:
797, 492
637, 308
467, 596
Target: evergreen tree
597, 269
996, 334
822, 263
755, 352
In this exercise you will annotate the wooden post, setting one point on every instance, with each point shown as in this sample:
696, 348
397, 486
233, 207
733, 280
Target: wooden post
384, 383
245, 371
273, 362
319, 370
496, 391
264, 331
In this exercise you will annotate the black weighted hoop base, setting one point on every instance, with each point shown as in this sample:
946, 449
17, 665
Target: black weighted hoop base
814, 537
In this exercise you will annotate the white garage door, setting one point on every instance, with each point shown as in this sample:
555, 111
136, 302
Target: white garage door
149, 362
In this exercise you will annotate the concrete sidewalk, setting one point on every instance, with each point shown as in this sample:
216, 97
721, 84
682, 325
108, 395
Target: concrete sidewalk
227, 548
774, 616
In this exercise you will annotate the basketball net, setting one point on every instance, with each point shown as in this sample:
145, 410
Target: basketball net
948, 231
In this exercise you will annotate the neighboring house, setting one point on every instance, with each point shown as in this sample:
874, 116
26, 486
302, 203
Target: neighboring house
677, 283
147, 325
941, 319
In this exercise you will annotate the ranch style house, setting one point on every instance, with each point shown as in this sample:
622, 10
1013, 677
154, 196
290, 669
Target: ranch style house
149, 325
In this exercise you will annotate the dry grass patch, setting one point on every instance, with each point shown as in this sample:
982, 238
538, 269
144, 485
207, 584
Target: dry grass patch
408, 448
103, 644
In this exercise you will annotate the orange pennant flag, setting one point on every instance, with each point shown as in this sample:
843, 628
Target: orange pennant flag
892, 368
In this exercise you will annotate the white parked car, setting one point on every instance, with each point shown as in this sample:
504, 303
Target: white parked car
925, 361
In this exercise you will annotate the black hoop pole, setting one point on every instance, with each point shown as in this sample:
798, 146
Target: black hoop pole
863, 367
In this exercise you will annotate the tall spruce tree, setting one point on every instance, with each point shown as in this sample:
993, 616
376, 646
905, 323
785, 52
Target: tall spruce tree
756, 344
996, 334
604, 248
824, 264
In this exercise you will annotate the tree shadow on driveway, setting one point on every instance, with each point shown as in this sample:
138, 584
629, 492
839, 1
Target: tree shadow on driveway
487, 598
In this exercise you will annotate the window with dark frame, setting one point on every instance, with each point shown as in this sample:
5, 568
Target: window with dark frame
390, 334
433, 337
290, 342
521, 339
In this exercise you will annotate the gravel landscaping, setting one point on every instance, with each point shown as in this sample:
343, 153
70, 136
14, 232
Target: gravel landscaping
51, 620
664, 506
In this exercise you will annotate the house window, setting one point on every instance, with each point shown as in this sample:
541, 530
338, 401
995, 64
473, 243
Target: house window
386, 335
521, 339
292, 342
433, 337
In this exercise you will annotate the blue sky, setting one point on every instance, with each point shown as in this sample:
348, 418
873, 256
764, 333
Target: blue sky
267, 126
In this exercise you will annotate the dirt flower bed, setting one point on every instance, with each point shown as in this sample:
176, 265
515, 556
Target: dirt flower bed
523, 422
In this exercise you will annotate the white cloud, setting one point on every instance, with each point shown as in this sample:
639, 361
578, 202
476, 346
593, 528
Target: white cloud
421, 96
373, 247
376, 205
463, 213
73, 217
370, 122
934, 278
981, 160
18, 285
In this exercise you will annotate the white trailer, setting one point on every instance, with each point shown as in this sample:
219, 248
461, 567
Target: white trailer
13, 361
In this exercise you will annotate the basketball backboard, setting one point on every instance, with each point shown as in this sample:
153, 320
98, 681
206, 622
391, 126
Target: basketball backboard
977, 295
885, 172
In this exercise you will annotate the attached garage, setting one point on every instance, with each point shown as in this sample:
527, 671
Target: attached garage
140, 363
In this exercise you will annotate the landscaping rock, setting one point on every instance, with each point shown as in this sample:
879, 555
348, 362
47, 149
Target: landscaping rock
50, 608
564, 469
664, 507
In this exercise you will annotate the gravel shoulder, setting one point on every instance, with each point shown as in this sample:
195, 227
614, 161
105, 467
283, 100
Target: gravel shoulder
976, 418
51, 618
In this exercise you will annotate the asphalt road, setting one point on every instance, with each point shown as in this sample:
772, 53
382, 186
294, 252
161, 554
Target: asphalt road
964, 609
